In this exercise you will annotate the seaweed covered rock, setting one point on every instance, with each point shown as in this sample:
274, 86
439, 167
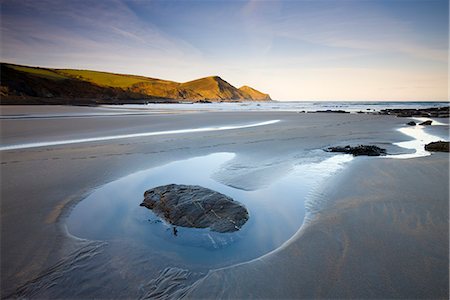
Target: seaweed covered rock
440, 146
368, 150
196, 207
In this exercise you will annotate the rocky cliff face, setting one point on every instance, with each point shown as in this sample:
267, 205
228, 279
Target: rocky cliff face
23, 85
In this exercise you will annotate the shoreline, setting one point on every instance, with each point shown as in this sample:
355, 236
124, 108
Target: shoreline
194, 144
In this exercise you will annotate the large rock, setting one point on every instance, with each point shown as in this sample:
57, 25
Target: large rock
437, 146
359, 150
196, 206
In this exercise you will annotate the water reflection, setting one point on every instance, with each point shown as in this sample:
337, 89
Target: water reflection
112, 212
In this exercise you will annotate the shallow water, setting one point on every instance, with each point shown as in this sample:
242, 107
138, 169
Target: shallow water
293, 106
112, 212
419, 139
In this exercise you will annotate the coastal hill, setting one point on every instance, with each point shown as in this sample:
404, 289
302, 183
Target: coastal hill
34, 85
254, 94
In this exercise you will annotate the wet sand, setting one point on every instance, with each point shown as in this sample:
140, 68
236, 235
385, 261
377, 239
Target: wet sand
368, 240
384, 234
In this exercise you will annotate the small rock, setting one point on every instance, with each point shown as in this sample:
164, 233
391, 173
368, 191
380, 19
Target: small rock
196, 207
368, 150
426, 123
412, 123
440, 146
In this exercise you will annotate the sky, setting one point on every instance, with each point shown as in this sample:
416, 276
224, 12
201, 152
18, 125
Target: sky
293, 50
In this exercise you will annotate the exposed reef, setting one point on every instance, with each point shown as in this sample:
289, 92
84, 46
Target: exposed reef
434, 112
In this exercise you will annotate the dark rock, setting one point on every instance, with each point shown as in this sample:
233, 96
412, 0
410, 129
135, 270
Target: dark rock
196, 206
412, 123
440, 146
435, 112
426, 123
359, 150
339, 111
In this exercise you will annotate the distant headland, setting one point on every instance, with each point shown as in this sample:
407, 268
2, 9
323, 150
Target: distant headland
36, 85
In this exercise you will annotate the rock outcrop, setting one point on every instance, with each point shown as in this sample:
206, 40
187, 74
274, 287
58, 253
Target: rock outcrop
426, 123
440, 146
368, 150
196, 207
433, 112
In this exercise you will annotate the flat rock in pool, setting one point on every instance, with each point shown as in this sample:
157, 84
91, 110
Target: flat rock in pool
196, 207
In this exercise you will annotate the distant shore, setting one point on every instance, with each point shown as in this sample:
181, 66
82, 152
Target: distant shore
17, 100
36, 85
381, 228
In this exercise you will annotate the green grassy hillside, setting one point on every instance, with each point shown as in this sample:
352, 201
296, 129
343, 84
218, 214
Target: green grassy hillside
103, 78
40, 72
24, 84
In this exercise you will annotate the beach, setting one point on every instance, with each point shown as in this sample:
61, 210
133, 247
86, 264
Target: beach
376, 227
385, 236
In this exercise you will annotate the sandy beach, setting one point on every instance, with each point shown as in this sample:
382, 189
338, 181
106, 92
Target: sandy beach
376, 228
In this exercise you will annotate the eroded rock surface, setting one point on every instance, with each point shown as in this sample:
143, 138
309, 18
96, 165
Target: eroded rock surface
196, 206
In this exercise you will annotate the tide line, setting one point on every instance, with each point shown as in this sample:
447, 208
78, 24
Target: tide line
132, 135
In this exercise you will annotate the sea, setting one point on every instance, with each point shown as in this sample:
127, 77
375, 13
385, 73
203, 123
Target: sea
296, 106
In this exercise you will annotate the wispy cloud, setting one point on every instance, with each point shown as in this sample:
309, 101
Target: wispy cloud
342, 24
95, 34
291, 49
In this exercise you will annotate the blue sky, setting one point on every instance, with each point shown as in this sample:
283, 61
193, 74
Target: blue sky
294, 50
